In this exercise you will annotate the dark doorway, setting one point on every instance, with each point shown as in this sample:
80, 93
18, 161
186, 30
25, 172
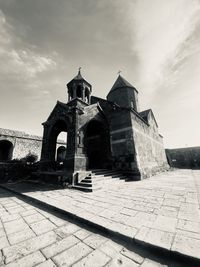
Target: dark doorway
6, 150
97, 145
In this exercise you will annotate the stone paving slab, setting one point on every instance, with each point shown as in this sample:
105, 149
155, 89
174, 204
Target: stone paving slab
67, 243
163, 211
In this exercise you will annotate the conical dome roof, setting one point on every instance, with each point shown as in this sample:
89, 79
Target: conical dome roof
79, 78
120, 83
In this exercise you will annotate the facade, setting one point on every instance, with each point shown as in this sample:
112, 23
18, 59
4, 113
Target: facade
107, 133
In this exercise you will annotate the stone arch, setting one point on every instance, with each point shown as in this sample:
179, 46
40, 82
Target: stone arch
6, 150
87, 95
49, 147
79, 91
97, 144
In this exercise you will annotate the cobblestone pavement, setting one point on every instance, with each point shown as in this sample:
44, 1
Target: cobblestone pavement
162, 211
31, 236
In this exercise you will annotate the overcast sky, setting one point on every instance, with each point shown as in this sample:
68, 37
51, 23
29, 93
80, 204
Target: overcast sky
155, 43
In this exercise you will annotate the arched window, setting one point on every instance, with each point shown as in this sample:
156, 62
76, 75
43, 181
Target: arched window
79, 91
87, 95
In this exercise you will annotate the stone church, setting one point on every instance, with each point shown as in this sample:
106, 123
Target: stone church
102, 134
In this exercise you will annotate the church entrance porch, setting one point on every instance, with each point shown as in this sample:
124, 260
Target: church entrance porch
54, 150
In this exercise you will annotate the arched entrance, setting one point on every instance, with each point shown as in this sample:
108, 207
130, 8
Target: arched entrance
6, 150
56, 151
97, 145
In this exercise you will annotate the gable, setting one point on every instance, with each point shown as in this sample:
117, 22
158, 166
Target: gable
148, 116
59, 110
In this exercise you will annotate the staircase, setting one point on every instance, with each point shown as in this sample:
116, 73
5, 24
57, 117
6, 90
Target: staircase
100, 178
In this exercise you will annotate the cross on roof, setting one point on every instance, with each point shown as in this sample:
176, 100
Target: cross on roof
119, 72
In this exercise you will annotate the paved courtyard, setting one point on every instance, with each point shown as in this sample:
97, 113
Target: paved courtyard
162, 211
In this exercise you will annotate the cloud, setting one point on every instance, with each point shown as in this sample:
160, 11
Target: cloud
21, 62
23, 74
160, 28
155, 44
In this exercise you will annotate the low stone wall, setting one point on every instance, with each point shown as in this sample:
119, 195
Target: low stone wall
22, 143
188, 157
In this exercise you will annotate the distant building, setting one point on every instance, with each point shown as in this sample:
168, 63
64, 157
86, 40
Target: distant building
185, 158
107, 133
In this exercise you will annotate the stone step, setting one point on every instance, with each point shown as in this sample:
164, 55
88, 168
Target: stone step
83, 183
98, 170
96, 177
106, 173
100, 182
85, 189
103, 172
86, 180
100, 178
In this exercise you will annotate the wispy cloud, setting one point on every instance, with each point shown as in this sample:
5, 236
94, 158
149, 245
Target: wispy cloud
165, 39
160, 29
22, 62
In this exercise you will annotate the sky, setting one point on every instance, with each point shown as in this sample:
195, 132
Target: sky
154, 43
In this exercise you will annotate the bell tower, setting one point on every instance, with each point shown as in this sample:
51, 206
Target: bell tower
79, 88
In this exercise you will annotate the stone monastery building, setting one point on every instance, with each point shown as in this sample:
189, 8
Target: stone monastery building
103, 134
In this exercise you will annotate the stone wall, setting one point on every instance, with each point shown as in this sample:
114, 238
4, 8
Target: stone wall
188, 157
122, 143
23, 143
136, 145
149, 147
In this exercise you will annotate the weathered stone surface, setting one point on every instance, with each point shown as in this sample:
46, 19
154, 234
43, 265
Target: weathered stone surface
132, 255
36, 217
48, 263
67, 230
29, 260
152, 227
3, 242
164, 223
122, 261
60, 246
17, 237
151, 263
95, 258
72, 255
187, 245
19, 250
95, 240
72, 249
15, 226
111, 248
82, 234
42, 227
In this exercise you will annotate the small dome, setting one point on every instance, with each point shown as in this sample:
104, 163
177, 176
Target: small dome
79, 78
120, 83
